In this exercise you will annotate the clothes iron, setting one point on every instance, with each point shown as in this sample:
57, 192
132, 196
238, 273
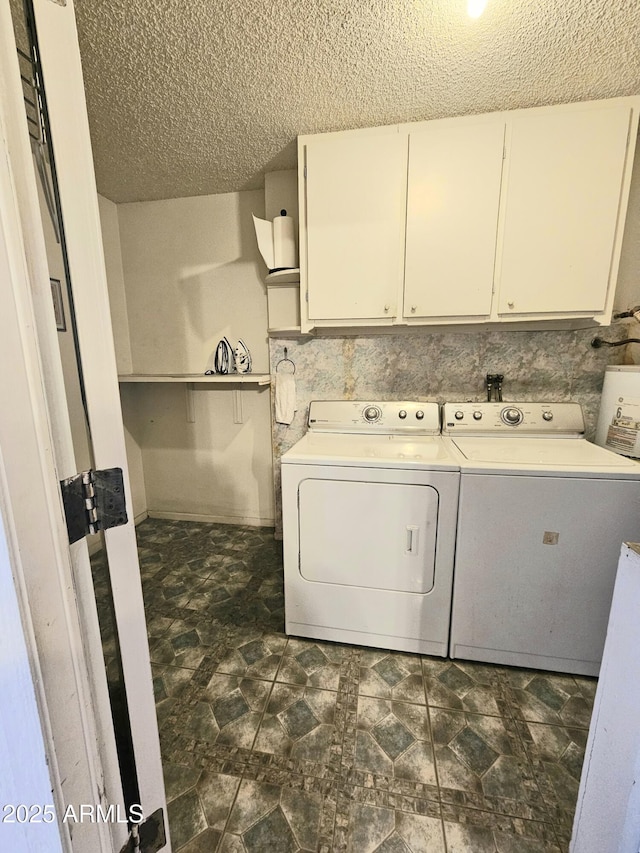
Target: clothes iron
224, 361
242, 358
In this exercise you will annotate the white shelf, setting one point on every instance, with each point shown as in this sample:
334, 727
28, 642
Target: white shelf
211, 379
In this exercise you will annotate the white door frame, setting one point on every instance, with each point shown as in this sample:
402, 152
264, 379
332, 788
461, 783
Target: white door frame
73, 694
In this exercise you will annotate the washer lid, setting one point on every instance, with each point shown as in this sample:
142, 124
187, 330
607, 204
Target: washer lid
550, 456
374, 451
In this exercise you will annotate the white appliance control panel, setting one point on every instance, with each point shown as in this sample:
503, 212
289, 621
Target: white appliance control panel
403, 416
508, 418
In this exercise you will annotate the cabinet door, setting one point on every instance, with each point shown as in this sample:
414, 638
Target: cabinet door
452, 218
355, 200
565, 172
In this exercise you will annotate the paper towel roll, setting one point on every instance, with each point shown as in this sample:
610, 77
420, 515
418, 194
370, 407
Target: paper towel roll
284, 243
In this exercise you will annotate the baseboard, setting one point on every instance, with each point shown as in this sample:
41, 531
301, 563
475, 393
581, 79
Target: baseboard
250, 520
140, 517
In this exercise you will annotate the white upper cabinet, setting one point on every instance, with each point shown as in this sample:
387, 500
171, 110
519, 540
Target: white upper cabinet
455, 170
507, 217
352, 224
564, 178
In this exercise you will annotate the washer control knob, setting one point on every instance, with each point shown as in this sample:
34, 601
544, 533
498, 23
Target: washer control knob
372, 413
402, 413
419, 414
458, 416
547, 416
512, 417
477, 416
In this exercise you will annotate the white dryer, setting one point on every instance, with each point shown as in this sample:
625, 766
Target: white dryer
543, 514
369, 501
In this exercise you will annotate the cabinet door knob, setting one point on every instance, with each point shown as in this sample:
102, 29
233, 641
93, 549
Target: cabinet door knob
386, 309
413, 309
511, 304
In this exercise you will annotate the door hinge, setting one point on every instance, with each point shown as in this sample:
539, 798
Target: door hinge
93, 501
147, 837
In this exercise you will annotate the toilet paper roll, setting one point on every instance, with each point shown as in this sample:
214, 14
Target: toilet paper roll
284, 243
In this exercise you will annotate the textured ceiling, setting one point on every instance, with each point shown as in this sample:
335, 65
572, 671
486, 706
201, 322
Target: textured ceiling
204, 96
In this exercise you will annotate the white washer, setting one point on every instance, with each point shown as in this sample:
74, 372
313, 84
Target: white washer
369, 501
543, 514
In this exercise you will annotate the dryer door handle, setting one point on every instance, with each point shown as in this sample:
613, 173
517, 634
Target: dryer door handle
412, 539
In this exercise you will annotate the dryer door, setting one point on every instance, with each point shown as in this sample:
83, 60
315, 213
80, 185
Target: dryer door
375, 535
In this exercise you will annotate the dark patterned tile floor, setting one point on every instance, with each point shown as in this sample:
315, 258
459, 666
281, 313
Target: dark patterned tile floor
276, 744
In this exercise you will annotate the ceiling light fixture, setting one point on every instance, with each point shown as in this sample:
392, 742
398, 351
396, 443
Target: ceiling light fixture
475, 7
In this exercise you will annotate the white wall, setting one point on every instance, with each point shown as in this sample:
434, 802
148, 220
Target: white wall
193, 274
281, 193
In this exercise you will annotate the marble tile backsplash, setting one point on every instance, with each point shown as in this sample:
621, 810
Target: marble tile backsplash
442, 365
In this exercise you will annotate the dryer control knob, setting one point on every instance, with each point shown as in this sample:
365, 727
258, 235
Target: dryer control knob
402, 414
419, 414
511, 416
477, 416
372, 413
458, 416
547, 416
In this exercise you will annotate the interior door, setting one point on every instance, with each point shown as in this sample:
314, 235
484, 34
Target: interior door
125, 721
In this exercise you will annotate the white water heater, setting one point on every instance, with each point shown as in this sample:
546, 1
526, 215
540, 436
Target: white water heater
618, 426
